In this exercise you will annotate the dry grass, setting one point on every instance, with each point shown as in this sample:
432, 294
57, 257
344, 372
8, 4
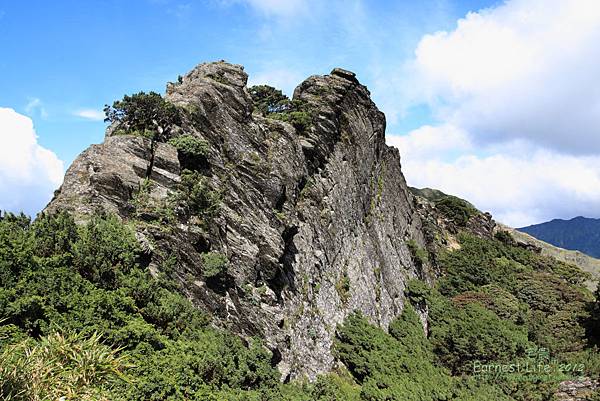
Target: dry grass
59, 367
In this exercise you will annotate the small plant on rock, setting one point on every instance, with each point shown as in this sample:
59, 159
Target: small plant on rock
214, 265
195, 194
190, 145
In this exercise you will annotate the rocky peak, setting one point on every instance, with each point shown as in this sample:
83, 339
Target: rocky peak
314, 219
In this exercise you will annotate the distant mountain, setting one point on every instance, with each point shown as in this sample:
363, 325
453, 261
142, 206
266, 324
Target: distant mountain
580, 234
583, 261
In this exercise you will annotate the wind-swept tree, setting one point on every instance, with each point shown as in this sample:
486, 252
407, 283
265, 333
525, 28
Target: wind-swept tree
268, 99
148, 114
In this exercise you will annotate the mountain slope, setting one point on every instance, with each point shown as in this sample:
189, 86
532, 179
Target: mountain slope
230, 242
580, 234
584, 262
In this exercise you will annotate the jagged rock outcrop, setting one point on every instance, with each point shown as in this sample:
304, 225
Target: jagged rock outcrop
440, 229
315, 222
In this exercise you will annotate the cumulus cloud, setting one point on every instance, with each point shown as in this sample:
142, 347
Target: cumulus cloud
29, 173
432, 142
90, 114
519, 183
526, 69
516, 94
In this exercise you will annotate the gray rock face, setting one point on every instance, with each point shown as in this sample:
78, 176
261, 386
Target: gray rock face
314, 222
577, 390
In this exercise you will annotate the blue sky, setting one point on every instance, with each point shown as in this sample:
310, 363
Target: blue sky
75, 55
63, 60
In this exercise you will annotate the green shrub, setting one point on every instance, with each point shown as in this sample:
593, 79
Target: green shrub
16, 248
190, 145
300, 119
54, 235
505, 237
105, 250
214, 264
390, 368
408, 330
195, 195
417, 291
463, 335
456, 209
172, 352
495, 300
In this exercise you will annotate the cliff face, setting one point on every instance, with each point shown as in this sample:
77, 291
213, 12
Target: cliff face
315, 222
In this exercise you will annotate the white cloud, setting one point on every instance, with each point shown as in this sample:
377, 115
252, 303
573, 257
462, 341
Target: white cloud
35, 105
29, 173
516, 92
518, 183
432, 141
90, 114
526, 69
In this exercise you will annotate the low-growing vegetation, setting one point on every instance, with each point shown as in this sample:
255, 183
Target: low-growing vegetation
195, 195
192, 151
457, 210
82, 318
272, 103
214, 265
190, 145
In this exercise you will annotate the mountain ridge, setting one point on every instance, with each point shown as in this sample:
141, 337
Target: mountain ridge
280, 185
579, 233
237, 244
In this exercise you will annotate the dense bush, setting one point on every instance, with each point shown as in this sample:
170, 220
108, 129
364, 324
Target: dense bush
456, 209
171, 350
190, 145
298, 116
195, 195
214, 264
463, 335
495, 302
192, 151
401, 365
272, 103
104, 251
497, 299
